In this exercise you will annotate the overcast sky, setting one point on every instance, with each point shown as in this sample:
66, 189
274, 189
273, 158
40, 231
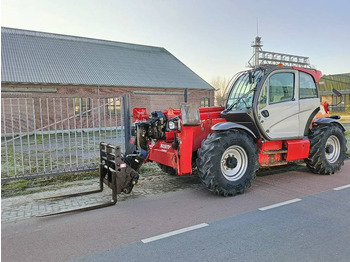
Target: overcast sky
213, 38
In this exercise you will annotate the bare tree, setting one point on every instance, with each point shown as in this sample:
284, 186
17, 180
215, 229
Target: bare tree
219, 83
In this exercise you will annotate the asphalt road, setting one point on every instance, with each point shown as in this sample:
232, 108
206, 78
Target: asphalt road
311, 229
314, 226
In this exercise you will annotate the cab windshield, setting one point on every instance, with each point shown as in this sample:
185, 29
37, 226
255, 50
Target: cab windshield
242, 90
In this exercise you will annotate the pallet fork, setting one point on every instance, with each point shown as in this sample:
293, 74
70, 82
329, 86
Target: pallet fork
113, 172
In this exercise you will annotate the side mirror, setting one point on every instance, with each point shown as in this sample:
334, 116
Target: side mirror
336, 92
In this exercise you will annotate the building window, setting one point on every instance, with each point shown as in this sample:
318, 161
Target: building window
113, 106
204, 102
82, 106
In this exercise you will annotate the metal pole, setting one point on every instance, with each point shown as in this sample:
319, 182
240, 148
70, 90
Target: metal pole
81, 128
104, 117
55, 119
127, 124
28, 140
13, 139
115, 118
87, 130
49, 130
35, 140
20, 131
75, 135
68, 127
42, 134
5, 140
110, 119
93, 127
122, 129
99, 111
62, 131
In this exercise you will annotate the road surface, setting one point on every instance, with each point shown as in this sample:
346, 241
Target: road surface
284, 216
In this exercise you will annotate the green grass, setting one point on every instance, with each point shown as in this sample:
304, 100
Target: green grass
29, 186
149, 169
35, 185
34, 161
340, 113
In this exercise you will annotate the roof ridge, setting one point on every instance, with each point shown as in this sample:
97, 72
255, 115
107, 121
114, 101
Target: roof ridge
17, 31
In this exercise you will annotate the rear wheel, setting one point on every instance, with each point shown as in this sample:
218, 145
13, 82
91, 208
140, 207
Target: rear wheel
227, 162
327, 149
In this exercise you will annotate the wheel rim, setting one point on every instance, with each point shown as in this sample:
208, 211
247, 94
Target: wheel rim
332, 149
234, 163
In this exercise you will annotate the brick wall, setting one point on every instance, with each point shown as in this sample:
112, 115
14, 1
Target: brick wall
52, 108
151, 98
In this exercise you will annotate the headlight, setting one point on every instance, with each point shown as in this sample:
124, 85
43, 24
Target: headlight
173, 125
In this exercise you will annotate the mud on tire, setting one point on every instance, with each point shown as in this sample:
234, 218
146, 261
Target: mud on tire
327, 149
227, 162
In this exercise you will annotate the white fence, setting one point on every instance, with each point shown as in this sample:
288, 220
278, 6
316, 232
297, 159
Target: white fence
44, 136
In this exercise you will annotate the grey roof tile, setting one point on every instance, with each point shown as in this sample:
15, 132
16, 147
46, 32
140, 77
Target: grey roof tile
37, 57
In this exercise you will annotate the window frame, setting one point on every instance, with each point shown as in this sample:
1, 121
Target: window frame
313, 80
265, 87
293, 91
82, 106
205, 99
114, 108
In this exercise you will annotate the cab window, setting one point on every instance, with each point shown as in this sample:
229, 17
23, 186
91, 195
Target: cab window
307, 86
263, 97
281, 87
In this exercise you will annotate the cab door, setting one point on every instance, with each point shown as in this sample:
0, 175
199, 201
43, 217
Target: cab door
278, 107
309, 101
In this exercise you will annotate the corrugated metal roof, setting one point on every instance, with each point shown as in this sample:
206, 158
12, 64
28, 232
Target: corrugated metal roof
37, 57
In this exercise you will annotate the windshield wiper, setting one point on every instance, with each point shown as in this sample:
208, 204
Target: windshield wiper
239, 99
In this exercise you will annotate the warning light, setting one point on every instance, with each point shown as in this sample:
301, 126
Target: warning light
280, 65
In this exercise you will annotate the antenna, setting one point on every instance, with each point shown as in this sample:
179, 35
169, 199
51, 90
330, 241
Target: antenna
261, 57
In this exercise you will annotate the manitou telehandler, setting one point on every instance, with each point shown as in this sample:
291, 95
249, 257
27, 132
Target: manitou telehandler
269, 120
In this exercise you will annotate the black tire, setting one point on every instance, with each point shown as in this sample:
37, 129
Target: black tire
167, 169
227, 162
327, 149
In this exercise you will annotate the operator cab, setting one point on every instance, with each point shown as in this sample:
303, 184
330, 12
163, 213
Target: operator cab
275, 103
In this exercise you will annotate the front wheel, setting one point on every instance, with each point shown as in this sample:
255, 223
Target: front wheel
227, 162
327, 149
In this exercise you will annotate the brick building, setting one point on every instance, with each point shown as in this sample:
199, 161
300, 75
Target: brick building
43, 64
65, 78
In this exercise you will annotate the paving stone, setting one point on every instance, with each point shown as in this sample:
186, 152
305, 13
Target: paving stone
23, 207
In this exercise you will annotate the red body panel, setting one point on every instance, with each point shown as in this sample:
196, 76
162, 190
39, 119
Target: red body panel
316, 74
269, 159
163, 153
297, 149
140, 114
190, 139
273, 153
